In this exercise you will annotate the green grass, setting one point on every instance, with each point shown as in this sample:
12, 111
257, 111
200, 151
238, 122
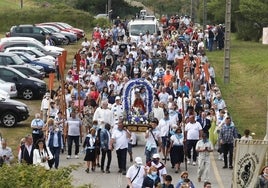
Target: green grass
246, 94
15, 4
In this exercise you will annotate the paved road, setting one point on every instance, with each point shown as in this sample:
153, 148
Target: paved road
220, 178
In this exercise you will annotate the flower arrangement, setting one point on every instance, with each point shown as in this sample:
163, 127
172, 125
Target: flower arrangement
136, 116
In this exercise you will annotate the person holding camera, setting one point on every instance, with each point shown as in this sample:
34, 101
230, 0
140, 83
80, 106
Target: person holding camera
41, 154
203, 147
6, 154
153, 140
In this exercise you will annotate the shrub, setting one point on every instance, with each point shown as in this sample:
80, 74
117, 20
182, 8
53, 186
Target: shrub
22, 175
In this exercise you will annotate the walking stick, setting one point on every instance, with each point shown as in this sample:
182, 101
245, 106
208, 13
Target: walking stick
183, 125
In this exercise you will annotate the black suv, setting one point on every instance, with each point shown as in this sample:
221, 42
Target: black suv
28, 87
12, 112
39, 33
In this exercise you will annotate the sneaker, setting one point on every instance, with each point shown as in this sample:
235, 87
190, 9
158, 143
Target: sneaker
68, 157
87, 170
76, 156
194, 163
124, 173
224, 167
188, 161
231, 167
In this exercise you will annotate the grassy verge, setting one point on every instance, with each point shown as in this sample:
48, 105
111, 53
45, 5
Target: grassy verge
246, 94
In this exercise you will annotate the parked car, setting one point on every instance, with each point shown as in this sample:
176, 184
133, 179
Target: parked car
66, 27
37, 32
9, 87
4, 94
47, 65
29, 42
29, 71
12, 112
7, 58
32, 51
28, 87
71, 37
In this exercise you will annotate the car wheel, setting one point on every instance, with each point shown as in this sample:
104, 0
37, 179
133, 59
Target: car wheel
9, 119
68, 41
27, 94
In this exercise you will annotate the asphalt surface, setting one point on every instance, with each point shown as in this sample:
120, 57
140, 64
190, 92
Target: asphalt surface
220, 178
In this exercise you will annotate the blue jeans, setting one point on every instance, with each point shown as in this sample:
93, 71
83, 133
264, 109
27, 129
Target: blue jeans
149, 154
210, 44
55, 151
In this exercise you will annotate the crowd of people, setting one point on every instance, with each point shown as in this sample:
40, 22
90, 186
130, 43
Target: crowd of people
190, 117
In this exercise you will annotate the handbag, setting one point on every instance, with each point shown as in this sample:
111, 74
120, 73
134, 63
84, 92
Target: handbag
156, 142
134, 177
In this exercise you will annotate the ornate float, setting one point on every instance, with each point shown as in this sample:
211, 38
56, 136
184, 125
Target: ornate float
138, 97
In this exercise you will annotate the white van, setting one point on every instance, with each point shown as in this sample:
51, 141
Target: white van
136, 27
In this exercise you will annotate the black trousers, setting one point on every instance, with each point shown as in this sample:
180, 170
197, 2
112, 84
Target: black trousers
122, 158
190, 144
105, 152
228, 148
70, 140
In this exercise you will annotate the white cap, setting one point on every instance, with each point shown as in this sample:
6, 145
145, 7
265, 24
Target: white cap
117, 98
138, 160
47, 94
156, 155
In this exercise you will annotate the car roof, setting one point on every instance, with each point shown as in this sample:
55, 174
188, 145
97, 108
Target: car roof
17, 39
7, 54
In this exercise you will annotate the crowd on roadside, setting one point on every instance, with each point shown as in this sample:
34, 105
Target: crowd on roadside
190, 120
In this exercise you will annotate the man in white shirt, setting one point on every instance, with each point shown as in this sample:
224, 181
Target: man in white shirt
136, 173
119, 141
165, 126
73, 130
192, 133
203, 147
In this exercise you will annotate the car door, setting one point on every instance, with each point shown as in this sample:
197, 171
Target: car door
39, 34
10, 76
6, 60
26, 31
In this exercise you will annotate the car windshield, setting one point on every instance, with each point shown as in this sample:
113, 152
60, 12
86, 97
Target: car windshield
47, 30
135, 30
28, 56
65, 25
37, 52
52, 29
20, 74
18, 60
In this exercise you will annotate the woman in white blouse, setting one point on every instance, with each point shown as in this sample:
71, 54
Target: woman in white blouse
176, 149
41, 154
